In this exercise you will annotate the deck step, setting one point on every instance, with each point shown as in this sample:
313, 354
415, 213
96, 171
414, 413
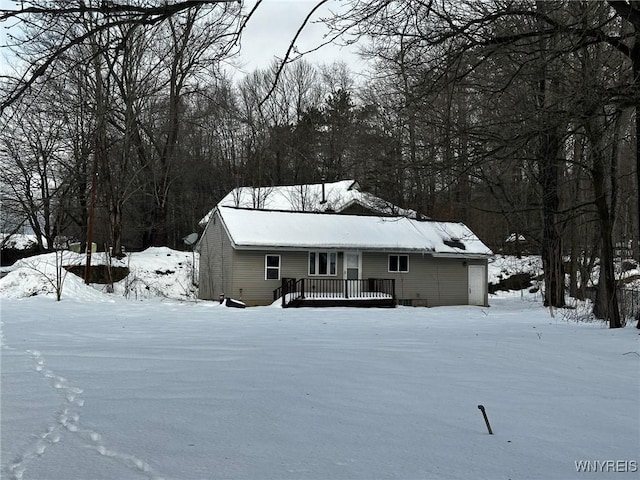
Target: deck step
360, 303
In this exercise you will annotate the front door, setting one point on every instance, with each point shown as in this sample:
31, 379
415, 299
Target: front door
352, 273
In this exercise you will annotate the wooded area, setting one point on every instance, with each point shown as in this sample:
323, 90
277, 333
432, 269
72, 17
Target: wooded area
515, 117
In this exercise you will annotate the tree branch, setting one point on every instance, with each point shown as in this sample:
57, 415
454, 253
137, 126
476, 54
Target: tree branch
126, 15
628, 10
164, 10
285, 59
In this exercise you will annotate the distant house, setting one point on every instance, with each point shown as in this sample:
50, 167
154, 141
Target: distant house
517, 244
318, 257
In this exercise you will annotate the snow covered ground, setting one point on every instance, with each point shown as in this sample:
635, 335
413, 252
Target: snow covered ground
100, 387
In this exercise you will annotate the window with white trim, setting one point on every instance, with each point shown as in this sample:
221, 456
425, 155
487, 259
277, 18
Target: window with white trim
272, 267
323, 263
399, 263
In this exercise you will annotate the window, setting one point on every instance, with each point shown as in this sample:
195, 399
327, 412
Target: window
398, 263
323, 263
272, 267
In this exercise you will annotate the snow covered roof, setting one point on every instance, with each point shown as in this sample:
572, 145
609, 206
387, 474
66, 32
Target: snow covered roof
512, 238
338, 196
249, 228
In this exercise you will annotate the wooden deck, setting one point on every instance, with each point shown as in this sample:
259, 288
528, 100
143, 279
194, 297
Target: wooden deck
361, 303
328, 292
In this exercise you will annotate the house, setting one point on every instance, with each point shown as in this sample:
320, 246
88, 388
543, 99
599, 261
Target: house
328, 258
344, 196
516, 244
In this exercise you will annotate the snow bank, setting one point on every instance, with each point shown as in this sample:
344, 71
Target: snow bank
504, 266
19, 241
159, 272
37, 275
155, 272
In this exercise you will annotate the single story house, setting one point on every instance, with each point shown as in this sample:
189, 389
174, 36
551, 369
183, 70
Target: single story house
319, 258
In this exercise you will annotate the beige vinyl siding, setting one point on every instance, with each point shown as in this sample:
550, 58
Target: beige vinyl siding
249, 274
240, 274
216, 261
430, 281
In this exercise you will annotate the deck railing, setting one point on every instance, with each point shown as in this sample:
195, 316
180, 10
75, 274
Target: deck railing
333, 288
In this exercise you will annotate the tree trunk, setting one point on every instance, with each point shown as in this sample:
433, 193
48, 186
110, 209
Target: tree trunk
636, 243
606, 306
99, 158
115, 220
550, 121
158, 235
90, 219
551, 241
573, 269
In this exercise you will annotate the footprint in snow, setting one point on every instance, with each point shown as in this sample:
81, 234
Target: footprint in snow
69, 419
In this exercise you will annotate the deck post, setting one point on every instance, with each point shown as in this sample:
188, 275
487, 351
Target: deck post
284, 292
393, 289
346, 288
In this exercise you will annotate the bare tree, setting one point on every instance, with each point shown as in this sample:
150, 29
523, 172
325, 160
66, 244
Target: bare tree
533, 41
629, 94
31, 167
49, 18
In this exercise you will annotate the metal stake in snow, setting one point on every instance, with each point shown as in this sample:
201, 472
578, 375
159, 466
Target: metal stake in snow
486, 419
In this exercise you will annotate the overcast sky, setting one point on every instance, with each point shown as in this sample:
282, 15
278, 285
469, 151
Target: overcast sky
269, 33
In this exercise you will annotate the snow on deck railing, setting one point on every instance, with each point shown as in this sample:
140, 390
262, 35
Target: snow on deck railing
342, 296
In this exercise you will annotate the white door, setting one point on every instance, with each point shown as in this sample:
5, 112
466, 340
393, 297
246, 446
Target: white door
477, 277
352, 272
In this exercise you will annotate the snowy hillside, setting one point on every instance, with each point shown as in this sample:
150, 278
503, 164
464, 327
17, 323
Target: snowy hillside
155, 272
504, 266
19, 241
